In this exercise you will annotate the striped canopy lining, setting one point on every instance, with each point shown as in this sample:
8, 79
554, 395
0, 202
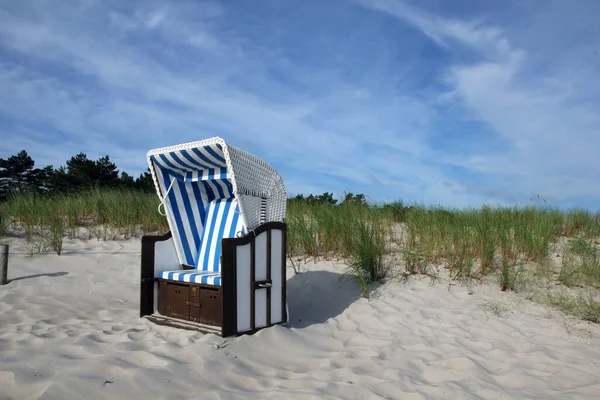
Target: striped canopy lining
200, 203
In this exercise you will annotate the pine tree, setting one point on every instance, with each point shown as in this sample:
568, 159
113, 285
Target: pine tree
18, 175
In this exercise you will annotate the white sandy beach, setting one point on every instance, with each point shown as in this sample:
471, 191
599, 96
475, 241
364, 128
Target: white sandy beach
69, 329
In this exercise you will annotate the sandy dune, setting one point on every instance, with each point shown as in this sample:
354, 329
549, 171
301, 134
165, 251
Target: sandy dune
69, 329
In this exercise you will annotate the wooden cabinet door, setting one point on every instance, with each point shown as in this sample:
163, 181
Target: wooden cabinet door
211, 306
178, 297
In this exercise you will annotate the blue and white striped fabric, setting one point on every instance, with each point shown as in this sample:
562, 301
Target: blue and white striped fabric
200, 206
198, 159
222, 220
204, 277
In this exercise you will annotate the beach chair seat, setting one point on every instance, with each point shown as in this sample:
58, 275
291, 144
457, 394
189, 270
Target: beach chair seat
223, 261
193, 276
221, 221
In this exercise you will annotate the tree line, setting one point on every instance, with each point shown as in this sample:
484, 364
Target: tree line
327, 199
19, 175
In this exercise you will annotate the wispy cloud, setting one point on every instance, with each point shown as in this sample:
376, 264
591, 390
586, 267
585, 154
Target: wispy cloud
446, 32
547, 127
398, 102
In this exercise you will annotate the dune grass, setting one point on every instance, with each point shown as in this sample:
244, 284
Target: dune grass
4, 223
508, 244
375, 241
355, 232
580, 264
582, 306
105, 214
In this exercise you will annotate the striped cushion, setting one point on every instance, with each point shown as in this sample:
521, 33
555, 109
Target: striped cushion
222, 221
205, 277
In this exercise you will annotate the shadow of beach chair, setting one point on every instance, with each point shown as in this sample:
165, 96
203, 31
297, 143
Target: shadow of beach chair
221, 267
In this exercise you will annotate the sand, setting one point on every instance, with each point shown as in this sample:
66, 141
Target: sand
69, 329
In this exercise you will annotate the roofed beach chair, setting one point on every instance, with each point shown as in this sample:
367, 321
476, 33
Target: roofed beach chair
221, 267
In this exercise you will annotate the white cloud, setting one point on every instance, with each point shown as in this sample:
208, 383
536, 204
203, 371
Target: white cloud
204, 40
155, 19
549, 132
445, 31
343, 133
281, 130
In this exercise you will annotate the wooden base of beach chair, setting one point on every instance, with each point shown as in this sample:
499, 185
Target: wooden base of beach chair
191, 302
252, 295
181, 324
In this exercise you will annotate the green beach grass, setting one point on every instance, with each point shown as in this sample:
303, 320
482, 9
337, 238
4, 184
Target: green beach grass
515, 246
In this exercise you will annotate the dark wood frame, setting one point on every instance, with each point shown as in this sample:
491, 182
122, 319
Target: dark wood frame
147, 272
228, 289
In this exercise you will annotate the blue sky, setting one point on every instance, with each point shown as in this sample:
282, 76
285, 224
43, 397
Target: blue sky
457, 103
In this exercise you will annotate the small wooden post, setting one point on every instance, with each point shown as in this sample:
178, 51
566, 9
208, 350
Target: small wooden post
3, 264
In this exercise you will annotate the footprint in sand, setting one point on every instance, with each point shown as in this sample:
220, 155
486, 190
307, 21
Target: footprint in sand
75, 353
104, 338
132, 346
118, 328
52, 334
142, 359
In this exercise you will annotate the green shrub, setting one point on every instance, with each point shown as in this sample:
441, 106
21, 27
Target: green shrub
580, 264
367, 252
56, 225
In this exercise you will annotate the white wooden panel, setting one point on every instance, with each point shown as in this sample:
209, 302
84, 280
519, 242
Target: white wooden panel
165, 257
260, 274
243, 288
260, 257
276, 293
260, 313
